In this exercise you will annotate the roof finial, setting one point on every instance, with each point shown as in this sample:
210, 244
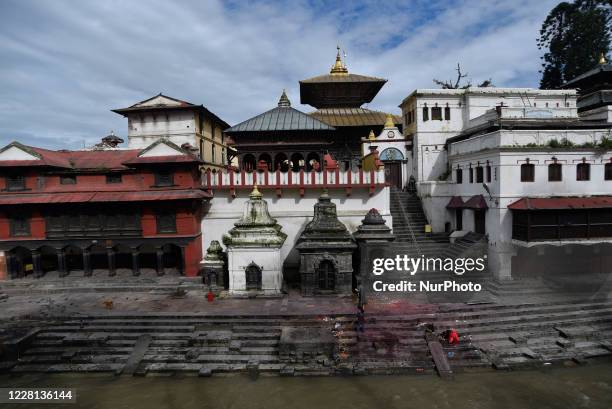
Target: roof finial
371, 136
389, 121
338, 68
602, 59
255, 193
284, 100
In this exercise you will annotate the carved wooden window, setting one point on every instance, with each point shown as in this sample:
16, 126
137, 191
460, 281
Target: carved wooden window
20, 226
166, 223
164, 179
608, 171
15, 182
113, 178
68, 180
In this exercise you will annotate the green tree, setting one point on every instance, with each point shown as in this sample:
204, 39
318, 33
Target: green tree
574, 35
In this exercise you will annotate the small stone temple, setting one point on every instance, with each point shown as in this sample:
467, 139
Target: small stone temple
326, 252
373, 237
253, 250
213, 267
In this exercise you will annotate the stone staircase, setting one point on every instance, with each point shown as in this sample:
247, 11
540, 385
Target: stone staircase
409, 227
502, 336
409, 220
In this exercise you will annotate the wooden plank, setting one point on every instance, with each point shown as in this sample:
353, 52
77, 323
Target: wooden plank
439, 357
140, 349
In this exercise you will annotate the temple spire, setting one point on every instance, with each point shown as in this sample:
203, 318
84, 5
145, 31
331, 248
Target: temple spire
339, 68
255, 193
602, 59
389, 121
371, 136
284, 100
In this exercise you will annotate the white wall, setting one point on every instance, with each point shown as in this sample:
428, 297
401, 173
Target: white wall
292, 212
178, 126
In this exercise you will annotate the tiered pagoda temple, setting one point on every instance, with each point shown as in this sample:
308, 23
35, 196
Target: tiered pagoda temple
287, 139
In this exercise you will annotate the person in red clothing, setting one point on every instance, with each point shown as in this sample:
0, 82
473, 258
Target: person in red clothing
453, 337
210, 296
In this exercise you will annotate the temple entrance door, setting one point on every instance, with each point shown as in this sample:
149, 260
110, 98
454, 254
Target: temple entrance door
327, 276
393, 174
458, 219
479, 221
253, 277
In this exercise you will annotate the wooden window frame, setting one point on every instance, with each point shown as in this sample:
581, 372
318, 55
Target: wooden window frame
527, 175
583, 176
160, 223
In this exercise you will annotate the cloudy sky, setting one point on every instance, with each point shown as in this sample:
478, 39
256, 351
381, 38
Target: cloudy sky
65, 63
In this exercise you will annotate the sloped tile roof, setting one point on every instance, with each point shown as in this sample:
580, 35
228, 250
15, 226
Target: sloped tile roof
282, 118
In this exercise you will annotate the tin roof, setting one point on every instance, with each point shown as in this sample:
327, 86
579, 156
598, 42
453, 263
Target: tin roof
559, 203
352, 117
281, 118
114, 196
112, 159
476, 202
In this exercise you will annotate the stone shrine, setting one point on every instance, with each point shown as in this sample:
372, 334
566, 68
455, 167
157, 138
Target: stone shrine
326, 252
253, 250
213, 267
373, 237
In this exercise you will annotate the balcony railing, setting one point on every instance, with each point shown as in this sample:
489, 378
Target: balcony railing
302, 180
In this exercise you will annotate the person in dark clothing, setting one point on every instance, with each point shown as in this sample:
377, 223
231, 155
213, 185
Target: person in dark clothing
359, 324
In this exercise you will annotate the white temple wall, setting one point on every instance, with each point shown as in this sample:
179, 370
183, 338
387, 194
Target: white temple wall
144, 129
292, 212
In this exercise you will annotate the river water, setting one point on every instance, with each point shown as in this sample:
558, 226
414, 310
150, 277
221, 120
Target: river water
588, 386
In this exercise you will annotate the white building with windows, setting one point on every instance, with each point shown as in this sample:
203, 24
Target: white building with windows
531, 169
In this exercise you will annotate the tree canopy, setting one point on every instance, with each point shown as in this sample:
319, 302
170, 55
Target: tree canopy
574, 36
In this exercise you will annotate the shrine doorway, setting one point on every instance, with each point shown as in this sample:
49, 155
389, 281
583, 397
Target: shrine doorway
327, 276
253, 277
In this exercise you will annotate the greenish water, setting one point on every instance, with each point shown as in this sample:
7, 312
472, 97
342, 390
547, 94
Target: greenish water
587, 386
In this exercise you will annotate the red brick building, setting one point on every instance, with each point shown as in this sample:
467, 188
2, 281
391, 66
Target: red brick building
90, 212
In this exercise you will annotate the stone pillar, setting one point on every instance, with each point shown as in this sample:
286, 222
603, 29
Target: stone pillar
181, 262
3, 266
61, 263
135, 264
36, 264
87, 263
10, 265
160, 261
110, 253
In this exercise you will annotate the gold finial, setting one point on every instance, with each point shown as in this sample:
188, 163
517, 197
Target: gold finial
339, 68
371, 136
389, 121
602, 59
255, 193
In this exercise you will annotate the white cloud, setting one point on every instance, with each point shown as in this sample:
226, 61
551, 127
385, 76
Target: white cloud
65, 64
